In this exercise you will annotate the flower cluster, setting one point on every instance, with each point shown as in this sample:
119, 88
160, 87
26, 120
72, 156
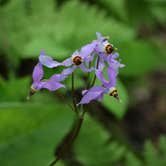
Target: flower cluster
99, 52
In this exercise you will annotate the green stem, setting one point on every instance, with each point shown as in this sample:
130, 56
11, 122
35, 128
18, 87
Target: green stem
67, 145
73, 95
97, 65
88, 84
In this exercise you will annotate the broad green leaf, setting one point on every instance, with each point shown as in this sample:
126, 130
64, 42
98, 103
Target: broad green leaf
60, 33
139, 58
31, 131
14, 89
91, 146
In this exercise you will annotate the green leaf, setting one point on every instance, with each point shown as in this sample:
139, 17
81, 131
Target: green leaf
116, 8
131, 159
59, 32
138, 12
139, 58
151, 154
159, 13
14, 89
118, 108
91, 147
31, 131
33, 48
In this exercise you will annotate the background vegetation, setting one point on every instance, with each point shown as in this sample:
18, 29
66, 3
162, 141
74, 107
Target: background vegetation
126, 134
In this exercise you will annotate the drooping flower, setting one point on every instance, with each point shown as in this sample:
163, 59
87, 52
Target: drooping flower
79, 59
52, 84
103, 50
111, 59
108, 86
103, 45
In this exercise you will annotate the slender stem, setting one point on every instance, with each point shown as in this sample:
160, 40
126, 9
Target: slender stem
74, 134
97, 65
88, 84
73, 95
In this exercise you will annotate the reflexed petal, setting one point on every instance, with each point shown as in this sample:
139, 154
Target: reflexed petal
101, 64
89, 58
100, 76
85, 69
36, 86
112, 74
48, 61
87, 50
38, 73
99, 36
115, 56
58, 77
52, 85
68, 71
93, 94
67, 62
97, 88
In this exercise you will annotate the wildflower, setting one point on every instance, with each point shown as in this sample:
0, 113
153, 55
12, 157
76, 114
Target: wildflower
109, 60
78, 59
103, 50
52, 84
103, 45
108, 86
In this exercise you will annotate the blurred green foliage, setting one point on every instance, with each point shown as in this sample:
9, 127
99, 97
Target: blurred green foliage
30, 130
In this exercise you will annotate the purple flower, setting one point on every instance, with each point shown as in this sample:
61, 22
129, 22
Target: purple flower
52, 84
103, 45
103, 49
94, 93
47, 60
108, 86
78, 59
109, 60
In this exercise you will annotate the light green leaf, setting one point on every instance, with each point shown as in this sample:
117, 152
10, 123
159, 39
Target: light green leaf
33, 48
116, 8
